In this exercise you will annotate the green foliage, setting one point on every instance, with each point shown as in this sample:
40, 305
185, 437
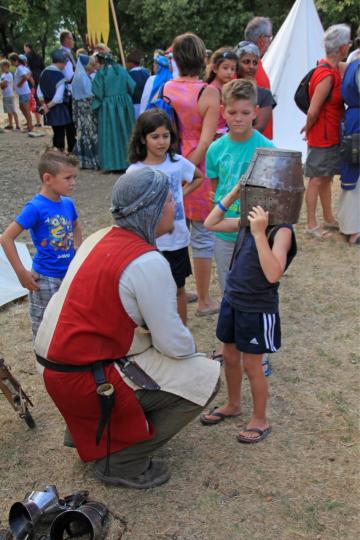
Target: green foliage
150, 24
341, 11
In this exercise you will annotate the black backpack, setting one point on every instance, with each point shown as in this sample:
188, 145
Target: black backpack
302, 97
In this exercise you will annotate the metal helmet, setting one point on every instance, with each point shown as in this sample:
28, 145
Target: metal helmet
273, 180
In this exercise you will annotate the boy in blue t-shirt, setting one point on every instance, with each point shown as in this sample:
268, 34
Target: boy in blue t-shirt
55, 231
228, 158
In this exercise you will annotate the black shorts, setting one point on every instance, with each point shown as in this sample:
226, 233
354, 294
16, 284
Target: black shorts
180, 265
255, 333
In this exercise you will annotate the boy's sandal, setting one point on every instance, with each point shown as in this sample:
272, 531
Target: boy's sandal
355, 242
262, 434
191, 297
218, 357
207, 311
219, 417
318, 233
333, 226
8, 127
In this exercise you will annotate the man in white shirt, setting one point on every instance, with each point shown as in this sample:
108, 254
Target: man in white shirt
67, 44
118, 303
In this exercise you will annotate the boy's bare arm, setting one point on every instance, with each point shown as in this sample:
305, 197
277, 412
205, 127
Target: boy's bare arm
22, 80
26, 277
77, 235
216, 221
272, 261
214, 184
197, 181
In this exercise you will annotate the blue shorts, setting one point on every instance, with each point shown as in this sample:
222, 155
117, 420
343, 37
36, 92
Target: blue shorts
24, 98
255, 333
201, 240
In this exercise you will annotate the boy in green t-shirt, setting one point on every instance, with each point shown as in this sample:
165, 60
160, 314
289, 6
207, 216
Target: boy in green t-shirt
228, 158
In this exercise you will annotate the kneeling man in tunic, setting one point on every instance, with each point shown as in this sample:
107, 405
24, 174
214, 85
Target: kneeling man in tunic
114, 354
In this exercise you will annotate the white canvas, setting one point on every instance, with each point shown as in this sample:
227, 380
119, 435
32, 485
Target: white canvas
296, 48
10, 287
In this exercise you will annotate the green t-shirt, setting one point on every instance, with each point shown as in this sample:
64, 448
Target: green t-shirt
227, 160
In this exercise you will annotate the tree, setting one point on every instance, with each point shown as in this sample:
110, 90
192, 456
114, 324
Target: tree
150, 24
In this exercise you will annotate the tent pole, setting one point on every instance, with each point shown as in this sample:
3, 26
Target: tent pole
117, 32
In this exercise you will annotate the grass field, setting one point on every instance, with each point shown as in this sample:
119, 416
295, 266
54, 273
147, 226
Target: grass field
301, 483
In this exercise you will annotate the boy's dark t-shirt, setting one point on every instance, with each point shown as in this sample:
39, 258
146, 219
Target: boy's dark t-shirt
140, 75
247, 288
51, 227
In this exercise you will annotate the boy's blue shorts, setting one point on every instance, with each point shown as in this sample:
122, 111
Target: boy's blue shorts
255, 333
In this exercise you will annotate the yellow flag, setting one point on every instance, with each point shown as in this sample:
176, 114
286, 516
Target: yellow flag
97, 12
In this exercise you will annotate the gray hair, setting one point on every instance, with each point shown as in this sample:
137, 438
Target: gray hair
138, 199
258, 26
246, 47
336, 36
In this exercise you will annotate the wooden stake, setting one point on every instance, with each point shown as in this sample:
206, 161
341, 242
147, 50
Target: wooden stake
117, 32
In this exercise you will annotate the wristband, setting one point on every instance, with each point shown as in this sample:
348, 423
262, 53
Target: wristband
222, 207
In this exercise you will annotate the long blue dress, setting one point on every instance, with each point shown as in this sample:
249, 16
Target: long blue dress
112, 89
351, 96
349, 200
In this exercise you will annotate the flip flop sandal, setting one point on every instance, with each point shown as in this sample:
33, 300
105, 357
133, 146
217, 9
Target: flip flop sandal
218, 357
208, 311
191, 297
318, 233
220, 417
355, 242
334, 226
263, 433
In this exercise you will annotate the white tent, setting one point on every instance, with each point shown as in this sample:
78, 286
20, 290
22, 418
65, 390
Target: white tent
10, 287
294, 51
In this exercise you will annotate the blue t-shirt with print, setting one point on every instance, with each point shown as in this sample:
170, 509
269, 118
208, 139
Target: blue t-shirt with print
227, 160
51, 226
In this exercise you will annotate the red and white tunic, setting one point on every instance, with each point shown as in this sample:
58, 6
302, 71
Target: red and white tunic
118, 298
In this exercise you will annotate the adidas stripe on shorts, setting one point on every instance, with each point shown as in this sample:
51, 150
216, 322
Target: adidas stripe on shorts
255, 333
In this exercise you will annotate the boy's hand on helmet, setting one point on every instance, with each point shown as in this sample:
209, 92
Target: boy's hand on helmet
259, 220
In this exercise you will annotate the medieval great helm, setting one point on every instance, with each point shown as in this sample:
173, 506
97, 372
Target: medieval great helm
273, 180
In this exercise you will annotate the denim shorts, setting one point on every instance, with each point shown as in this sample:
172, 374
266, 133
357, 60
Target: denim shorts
322, 161
223, 254
201, 240
24, 98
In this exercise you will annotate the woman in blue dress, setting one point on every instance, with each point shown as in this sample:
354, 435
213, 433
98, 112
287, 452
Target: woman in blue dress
349, 202
85, 117
112, 89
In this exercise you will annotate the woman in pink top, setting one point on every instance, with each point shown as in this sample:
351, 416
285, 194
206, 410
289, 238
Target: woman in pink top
197, 106
222, 68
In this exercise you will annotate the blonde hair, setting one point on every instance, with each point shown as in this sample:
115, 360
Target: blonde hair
239, 89
51, 161
91, 63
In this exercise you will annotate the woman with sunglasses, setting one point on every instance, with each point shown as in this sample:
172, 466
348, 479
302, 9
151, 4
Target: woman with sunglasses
249, 58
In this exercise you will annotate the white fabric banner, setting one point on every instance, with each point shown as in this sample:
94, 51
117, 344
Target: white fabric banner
10, 287
293, 52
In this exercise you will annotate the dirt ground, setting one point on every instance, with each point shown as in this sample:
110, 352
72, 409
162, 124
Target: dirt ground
301, 483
